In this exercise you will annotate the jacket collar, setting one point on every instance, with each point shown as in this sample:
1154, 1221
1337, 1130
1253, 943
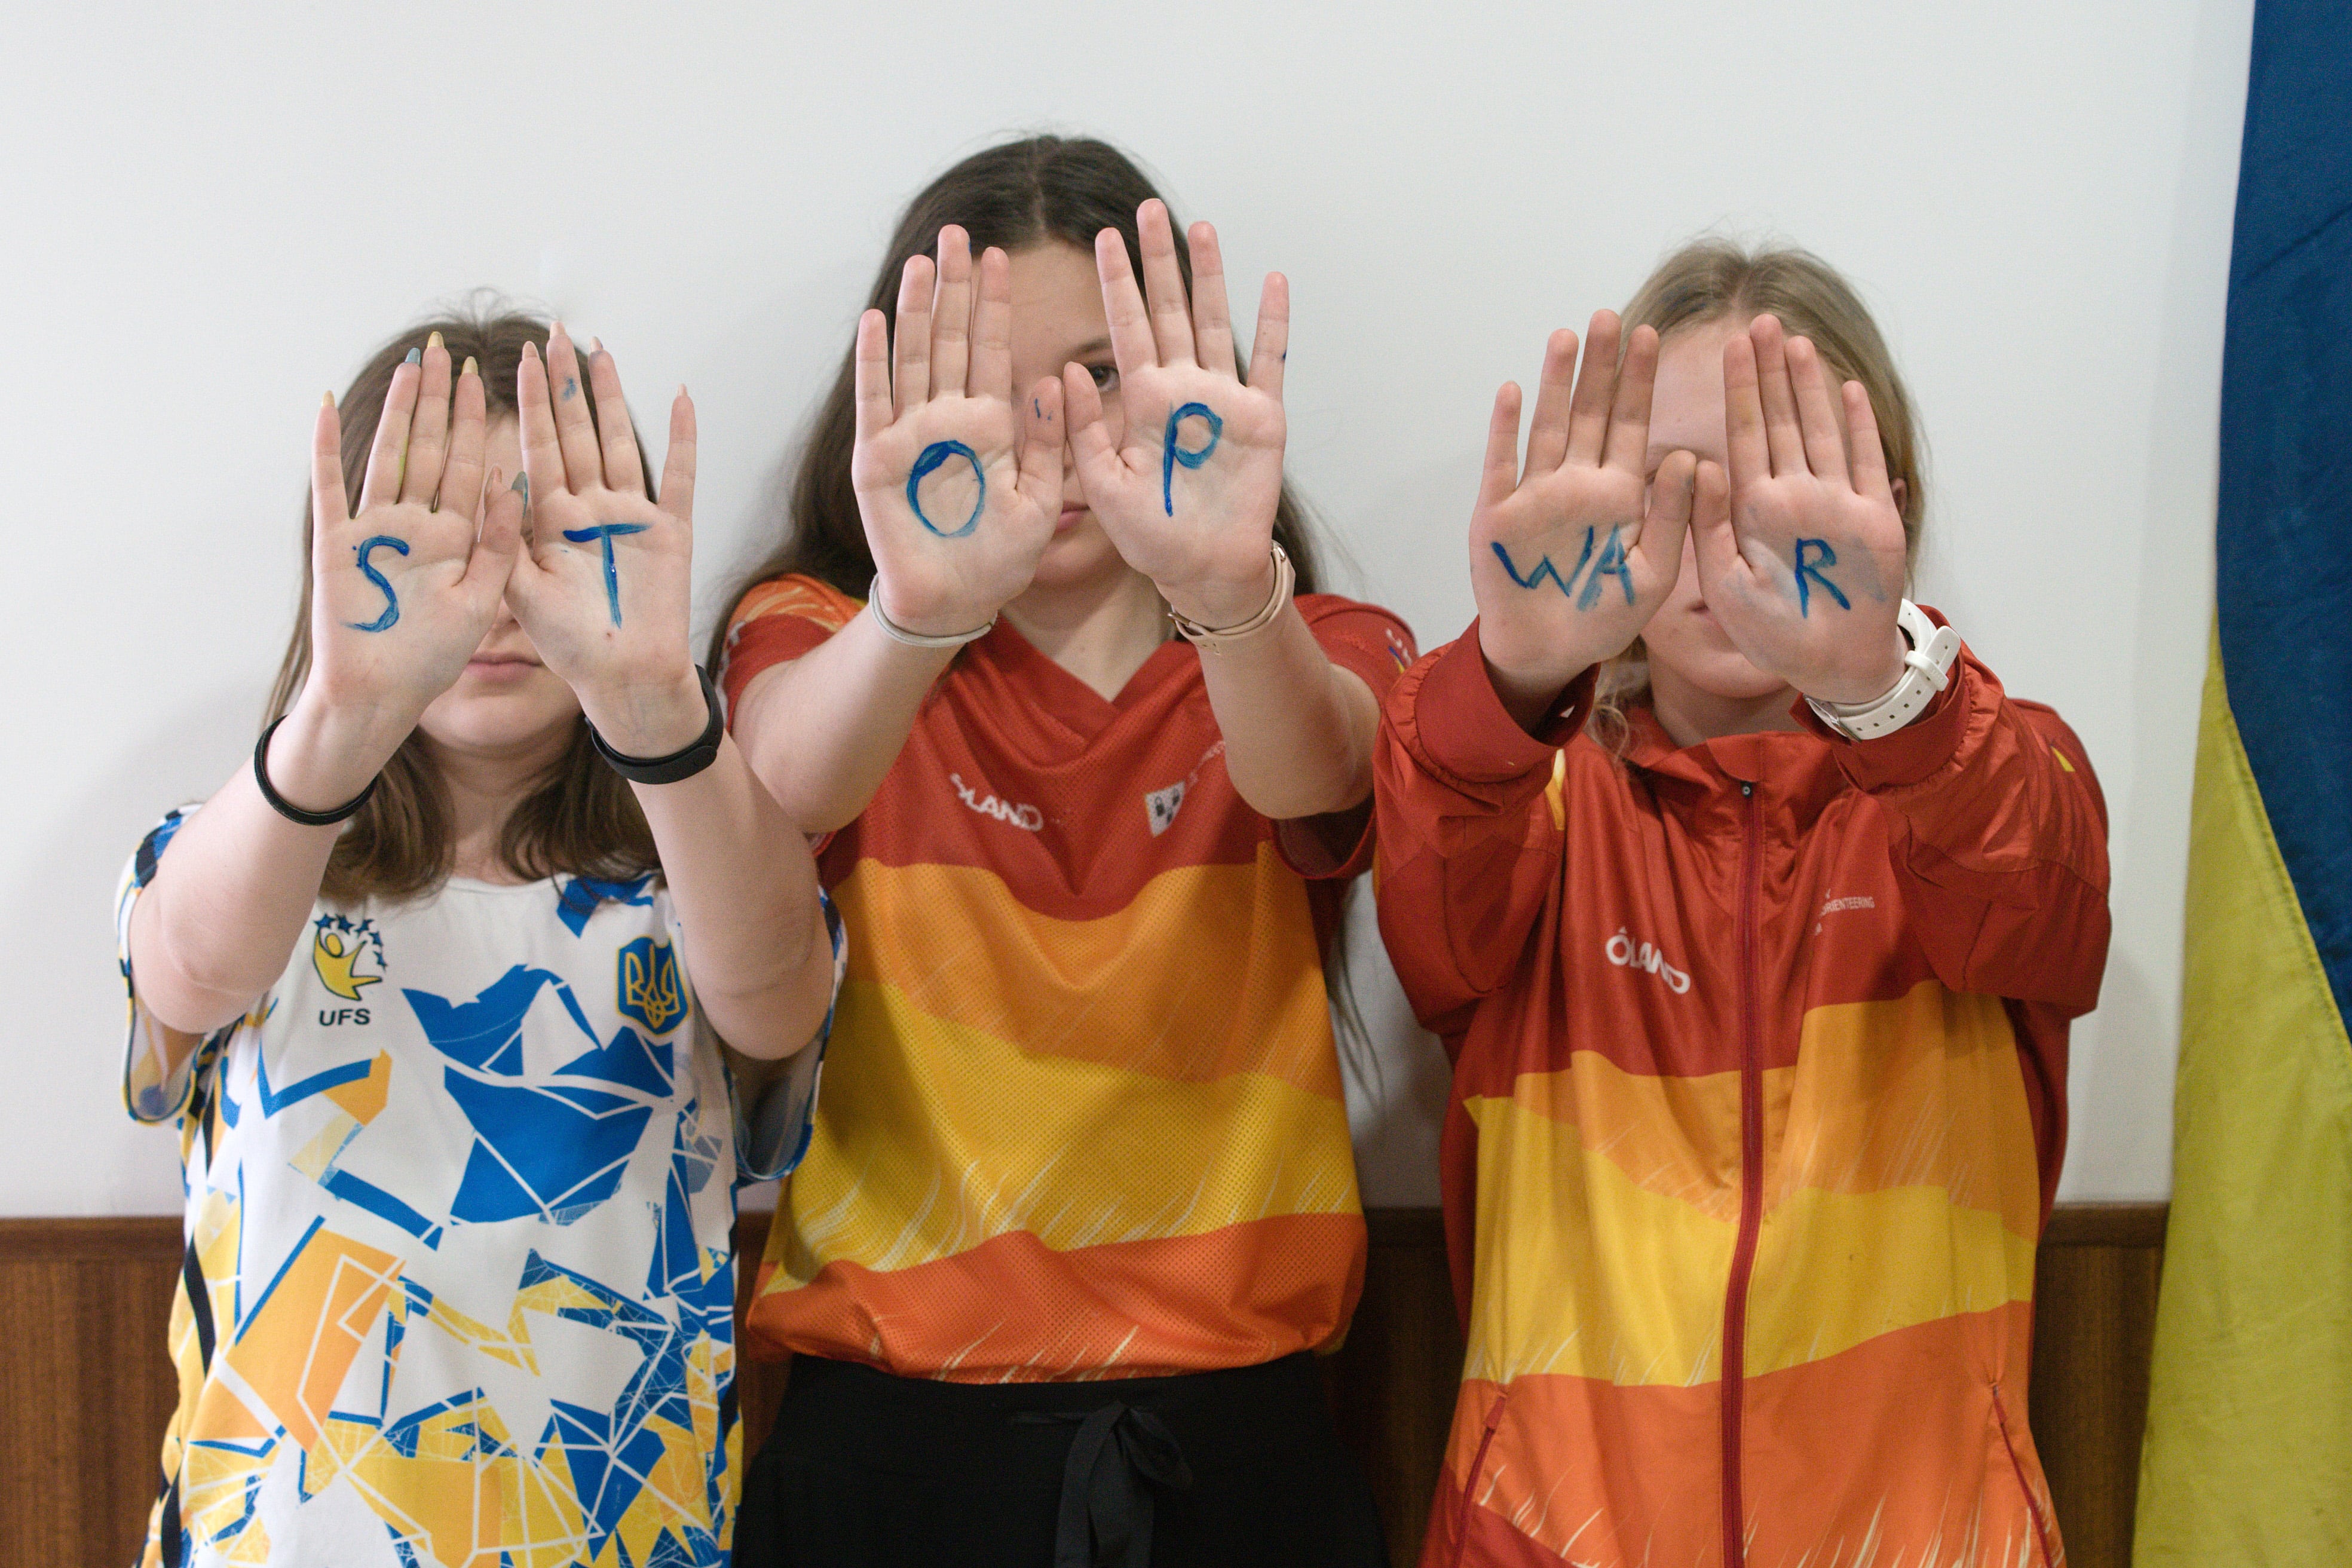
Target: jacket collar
1797, 771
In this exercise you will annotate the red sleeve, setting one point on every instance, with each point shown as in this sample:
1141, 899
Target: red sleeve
1469, 851
774, 623
2000, 840
1377, 647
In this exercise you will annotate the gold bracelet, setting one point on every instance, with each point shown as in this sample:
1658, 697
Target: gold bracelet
1213, 637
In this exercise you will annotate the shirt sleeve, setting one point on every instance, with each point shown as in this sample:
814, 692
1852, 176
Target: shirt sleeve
1376, 647
2000, 838
777, 622
152, 1089
773, 1136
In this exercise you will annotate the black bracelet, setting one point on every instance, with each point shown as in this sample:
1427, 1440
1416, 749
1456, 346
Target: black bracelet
678, 765
288, 809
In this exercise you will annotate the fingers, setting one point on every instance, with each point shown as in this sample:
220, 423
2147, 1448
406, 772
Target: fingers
575, 432
1499, 475
1629, 416
624, 462
1041, 443
992, 328
542, 452
329, 507
389, 452
1130, 329
952, 314
1711, 532
678, 467
1270, 351
1090, 443
1816, 411
1163, 280
872, 374
1596, 389
1743, 414
1869, 451
1212, 323
1783, 438
461, 480
428, 430
1547, 431
910, 348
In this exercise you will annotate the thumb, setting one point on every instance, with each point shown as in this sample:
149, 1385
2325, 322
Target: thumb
1711, 531
497, 546
1089, 436
1667, 525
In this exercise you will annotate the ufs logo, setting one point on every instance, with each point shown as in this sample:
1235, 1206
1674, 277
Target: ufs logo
338, 942
651, 992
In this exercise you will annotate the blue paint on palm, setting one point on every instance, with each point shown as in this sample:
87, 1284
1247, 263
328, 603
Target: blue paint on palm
605, 533
1824, 556
936, 456
364, 549
1611, 564
1172, 454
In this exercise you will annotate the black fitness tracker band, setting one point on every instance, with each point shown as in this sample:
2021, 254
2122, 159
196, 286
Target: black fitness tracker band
288, 809
678, 765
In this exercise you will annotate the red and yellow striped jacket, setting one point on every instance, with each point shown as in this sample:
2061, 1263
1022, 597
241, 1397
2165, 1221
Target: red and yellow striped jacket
1759, 1055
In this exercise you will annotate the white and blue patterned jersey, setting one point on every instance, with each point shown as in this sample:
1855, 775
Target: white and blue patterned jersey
459, 1285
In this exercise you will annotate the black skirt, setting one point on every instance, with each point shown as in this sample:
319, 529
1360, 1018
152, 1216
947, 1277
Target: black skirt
1219, 1469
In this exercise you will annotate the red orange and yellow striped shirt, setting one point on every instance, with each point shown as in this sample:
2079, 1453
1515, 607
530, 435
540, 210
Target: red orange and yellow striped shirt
1082, 1115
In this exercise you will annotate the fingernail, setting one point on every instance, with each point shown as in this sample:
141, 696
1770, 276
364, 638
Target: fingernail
416, 356
329, 401
433, 342
470, 369
595, 346
522, 485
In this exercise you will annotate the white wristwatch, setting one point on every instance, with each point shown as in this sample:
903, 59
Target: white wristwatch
1927, 670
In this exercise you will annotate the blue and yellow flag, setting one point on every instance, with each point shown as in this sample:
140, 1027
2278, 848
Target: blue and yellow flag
2249, 1450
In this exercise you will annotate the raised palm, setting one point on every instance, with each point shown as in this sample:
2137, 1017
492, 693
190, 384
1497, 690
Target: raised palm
1804, 568
605, 587
959, 491
403, 590
1572, 555
1188, 491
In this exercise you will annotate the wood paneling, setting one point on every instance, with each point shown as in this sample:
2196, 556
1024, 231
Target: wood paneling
86, 1387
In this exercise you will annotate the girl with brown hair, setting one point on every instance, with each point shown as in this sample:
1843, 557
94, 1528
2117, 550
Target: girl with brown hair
438, 1003
1092, 773
1757, 993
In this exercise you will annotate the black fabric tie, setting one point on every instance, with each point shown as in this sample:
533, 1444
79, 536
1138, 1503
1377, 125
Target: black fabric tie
1121, 1454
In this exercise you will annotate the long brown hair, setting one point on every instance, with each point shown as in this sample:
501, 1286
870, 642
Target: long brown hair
1012, 196
581, 818
1715, 279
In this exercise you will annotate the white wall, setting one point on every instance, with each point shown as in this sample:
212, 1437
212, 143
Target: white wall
210, 219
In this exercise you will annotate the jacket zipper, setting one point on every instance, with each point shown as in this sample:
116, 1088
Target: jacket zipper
1477, 1465
2017, 1465
1752, 1185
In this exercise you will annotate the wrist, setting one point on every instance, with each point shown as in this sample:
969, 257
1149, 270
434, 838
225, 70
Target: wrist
931, 620
1848, 688
323, 753
653, 718
1214, 603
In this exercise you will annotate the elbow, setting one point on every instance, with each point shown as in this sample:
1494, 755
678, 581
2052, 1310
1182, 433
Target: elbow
774, 1019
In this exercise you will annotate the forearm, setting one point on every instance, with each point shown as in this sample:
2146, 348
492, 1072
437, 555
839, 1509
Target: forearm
231, 895
745, 890
821, 730
1297, 729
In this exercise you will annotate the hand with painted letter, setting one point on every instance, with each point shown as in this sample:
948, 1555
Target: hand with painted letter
1805, 565
604, 585
402, 592
1187, 489
959, 493
1572, 553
